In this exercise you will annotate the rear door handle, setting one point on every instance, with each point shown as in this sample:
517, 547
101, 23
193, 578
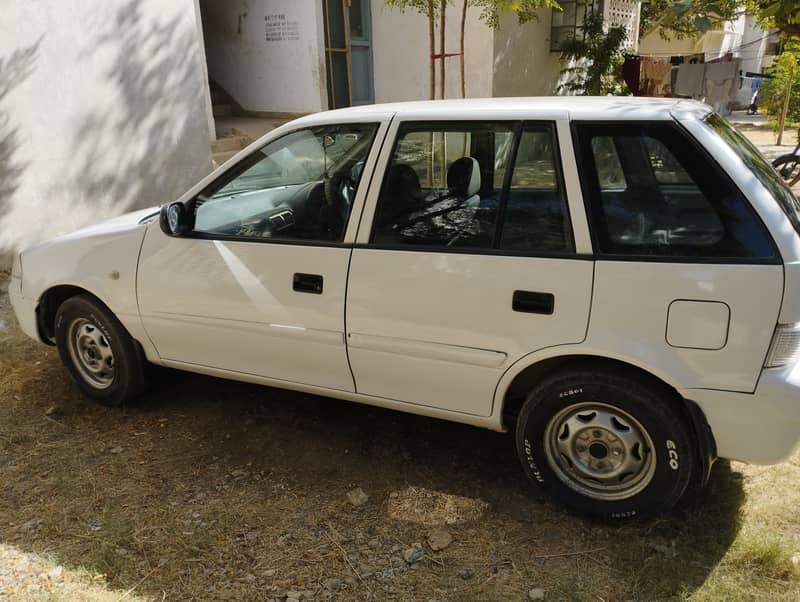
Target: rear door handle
533, 303
307, 283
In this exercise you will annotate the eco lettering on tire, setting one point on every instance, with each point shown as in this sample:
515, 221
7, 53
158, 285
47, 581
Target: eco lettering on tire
652, 407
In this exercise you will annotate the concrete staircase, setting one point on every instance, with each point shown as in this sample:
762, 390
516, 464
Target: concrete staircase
234, 131
230, 140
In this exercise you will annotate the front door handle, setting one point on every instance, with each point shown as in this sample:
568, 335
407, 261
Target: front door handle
533, 302
307, 283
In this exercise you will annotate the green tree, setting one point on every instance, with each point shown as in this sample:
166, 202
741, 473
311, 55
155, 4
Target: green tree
783, 15
681, 18
785, 70
598, 59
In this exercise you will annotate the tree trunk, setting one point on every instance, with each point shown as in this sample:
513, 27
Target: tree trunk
785, 110
441, 47
463, 26
432, 46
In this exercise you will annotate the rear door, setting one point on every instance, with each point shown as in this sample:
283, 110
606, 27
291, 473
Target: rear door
688, 280
469, 263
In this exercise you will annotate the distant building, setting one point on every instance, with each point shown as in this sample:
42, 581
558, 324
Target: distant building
742, 38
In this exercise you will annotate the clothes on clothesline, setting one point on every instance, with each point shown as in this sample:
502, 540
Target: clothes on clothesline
631, 69
656, 79
713, 81
720, 78
689, 80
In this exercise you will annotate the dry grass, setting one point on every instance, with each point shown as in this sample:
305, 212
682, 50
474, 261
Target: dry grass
211, 490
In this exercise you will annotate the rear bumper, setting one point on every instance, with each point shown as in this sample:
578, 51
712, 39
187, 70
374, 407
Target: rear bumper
759, 428
25, 309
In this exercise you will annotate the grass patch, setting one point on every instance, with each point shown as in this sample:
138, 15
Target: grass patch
212, 490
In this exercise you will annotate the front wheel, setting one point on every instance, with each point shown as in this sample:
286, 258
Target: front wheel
98, 352
788, 166
605, 444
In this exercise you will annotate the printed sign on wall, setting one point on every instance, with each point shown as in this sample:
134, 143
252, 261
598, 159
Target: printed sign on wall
279, 29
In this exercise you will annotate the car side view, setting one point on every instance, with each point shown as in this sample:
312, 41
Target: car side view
615, 280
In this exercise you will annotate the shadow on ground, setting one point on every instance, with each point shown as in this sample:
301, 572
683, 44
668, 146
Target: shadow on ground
209, 489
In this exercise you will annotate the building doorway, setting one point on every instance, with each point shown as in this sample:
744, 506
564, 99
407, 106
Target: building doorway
348, 52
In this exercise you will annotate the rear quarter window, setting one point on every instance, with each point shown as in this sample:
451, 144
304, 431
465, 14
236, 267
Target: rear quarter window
653, 193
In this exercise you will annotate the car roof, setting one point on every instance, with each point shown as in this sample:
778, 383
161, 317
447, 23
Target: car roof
549, 107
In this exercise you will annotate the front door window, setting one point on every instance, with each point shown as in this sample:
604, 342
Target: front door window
298, 187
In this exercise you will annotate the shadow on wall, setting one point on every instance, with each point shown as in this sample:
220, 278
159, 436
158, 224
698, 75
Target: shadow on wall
141, 138
14, 70
523, 63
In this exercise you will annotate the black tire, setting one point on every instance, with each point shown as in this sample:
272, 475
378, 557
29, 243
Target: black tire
636, 402
125, 377
788, 166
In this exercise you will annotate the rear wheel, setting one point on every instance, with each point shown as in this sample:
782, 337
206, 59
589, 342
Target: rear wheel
788, 166
98, 352
607, 445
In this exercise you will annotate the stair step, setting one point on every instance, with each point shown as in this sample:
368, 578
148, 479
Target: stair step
230, 143
220, 158
218, 96
222, 110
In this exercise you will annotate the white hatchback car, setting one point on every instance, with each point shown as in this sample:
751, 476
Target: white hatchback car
618, 280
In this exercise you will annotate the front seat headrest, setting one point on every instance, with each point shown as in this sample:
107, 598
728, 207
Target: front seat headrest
402, 193
464, 177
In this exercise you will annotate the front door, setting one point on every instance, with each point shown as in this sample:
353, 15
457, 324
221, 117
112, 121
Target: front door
470, 264
258, 287
348, 52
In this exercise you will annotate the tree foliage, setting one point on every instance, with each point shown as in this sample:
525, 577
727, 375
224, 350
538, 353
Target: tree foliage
785, 70
681, 18
526, 10
598, 59
783, 15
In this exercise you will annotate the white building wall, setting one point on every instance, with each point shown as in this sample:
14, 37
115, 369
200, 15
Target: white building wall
284, 74
755, 56
401, 54
523, 63
103, 108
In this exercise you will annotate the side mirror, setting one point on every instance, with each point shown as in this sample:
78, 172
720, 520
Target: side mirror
175, 220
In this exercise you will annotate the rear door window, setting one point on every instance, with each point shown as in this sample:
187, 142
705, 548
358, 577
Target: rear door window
653, 193
475, 185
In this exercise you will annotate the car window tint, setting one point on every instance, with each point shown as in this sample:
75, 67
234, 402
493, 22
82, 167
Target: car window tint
675, 201
758, 166
299, 187
443, 185
536, 218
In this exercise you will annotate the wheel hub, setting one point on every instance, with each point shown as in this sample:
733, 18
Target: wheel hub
91, 353
600, 451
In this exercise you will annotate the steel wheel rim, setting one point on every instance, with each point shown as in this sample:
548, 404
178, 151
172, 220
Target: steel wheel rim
91, 353
600, 451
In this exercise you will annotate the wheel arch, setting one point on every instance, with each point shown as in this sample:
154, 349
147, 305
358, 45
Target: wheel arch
51, 300
515, 394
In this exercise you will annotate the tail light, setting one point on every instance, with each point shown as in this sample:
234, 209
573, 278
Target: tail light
785, 346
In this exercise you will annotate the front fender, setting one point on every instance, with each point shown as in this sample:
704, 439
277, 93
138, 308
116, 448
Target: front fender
101, 261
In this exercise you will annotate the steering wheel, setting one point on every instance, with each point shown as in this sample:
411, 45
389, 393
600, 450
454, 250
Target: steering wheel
336, 189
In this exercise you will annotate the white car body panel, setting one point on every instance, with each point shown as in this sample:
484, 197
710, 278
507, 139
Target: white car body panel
102, 259
230, 305
446, 318
411, 321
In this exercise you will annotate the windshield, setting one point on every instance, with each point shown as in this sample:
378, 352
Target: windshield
759, 166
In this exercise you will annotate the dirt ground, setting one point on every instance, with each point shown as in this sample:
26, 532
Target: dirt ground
215, 490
